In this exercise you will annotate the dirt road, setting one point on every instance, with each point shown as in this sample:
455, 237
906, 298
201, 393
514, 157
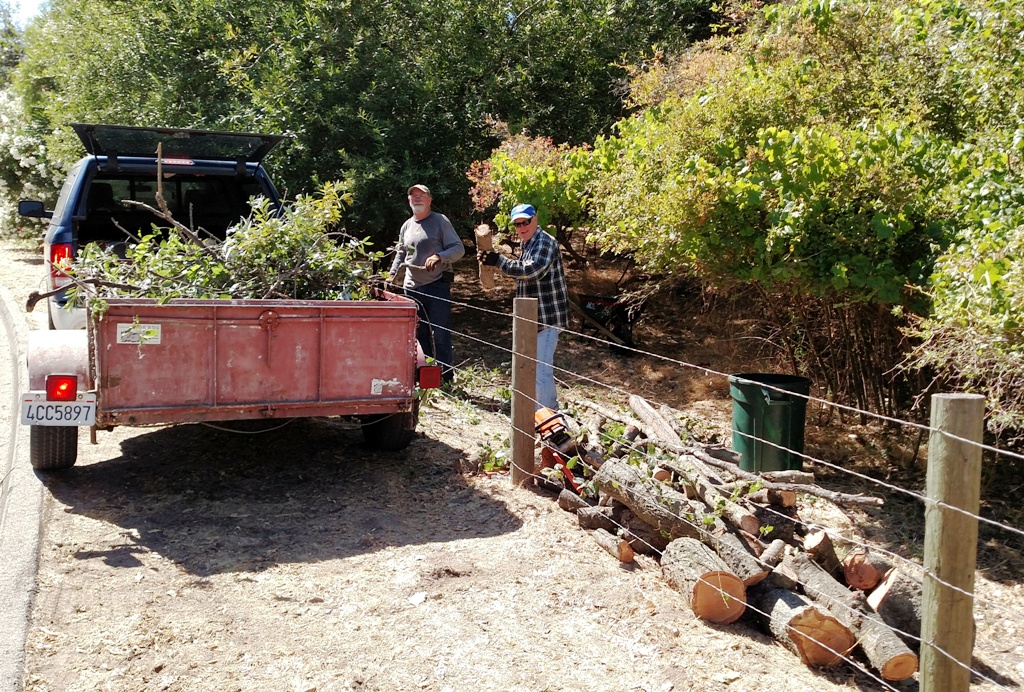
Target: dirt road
239, 558
198, 558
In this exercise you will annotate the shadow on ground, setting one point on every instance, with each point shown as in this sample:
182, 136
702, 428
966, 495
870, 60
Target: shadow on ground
215, 501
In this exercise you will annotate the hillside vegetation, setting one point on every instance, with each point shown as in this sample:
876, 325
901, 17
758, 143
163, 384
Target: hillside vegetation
851, 169
382, 94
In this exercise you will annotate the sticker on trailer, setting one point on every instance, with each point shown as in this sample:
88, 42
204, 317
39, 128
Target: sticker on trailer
377, 386
138, 334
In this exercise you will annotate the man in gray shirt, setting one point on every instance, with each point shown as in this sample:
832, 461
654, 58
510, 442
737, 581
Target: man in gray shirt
427, 246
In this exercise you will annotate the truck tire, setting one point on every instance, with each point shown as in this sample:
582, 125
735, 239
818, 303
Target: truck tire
53, 448
390, 432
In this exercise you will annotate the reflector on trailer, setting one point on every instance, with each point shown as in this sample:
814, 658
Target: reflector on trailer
61, 387
429, 376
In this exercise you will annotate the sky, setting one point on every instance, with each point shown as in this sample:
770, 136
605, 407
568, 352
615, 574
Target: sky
25, 10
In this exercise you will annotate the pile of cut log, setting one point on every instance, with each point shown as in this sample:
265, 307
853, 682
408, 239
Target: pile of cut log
733, 544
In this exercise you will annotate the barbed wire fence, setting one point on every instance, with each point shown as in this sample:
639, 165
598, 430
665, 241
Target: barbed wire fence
950, 656
945, 629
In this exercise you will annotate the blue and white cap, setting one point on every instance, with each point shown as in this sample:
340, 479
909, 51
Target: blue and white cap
523, 211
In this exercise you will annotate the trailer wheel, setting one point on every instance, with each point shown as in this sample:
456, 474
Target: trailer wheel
391, 432
53, 448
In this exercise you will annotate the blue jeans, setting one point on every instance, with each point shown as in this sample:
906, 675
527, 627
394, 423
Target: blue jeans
435, 313
547, 339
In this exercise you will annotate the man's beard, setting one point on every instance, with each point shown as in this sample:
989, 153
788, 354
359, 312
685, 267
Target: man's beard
417, 208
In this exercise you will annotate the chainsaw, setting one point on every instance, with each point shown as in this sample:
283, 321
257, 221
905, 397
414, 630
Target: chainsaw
557, 445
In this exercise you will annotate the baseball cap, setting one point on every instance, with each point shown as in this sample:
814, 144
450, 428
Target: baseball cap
523, 211
417, 186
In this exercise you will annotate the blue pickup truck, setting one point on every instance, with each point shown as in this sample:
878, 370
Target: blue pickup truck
206, 179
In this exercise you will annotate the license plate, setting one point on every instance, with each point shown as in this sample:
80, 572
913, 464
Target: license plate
36, 410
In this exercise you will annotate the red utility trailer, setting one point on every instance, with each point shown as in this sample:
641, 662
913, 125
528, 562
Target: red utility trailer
144, 362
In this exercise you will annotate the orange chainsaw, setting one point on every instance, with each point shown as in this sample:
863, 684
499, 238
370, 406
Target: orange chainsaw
557, 445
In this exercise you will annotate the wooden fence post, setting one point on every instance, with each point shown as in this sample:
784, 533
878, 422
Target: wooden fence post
951, 542
524, 387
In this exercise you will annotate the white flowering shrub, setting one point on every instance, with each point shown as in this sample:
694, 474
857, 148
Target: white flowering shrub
25, 170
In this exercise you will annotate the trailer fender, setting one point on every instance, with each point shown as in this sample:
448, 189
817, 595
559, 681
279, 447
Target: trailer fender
58, 352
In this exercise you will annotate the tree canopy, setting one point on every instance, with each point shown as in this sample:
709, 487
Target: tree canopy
854, 163
851, 166
382, 94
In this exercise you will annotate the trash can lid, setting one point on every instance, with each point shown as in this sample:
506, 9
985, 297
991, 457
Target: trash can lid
769, 378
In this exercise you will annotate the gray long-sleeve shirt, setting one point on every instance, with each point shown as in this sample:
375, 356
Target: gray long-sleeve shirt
418, 240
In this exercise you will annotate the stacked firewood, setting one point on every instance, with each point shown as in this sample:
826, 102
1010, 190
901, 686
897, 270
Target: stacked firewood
732, 543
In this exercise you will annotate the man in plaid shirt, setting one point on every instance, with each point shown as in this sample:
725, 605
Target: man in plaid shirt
538, 274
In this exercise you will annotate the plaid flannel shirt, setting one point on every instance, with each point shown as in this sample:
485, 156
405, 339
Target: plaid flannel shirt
539, 274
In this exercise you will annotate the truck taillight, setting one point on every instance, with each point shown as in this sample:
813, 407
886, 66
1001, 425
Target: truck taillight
429, 376
61, 387
60, 259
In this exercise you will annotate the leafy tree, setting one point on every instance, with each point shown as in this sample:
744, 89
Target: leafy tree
808, 159
25, 172
24, 169
292, 254
972, 339
131, 63
535, 171
826, 158
10, 44
382, 94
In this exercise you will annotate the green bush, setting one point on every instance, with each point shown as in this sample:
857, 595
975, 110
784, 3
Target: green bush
296, 254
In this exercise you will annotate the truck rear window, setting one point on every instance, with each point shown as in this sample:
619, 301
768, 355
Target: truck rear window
209, 204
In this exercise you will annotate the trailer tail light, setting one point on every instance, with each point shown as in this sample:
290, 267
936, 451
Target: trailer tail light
60, 260
428, 376
61, 387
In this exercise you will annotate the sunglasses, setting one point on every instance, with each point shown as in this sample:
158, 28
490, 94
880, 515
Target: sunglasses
517, 224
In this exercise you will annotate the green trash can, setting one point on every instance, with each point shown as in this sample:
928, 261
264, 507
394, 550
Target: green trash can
763, 413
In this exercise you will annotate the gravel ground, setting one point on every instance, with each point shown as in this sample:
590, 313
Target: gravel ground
195, 558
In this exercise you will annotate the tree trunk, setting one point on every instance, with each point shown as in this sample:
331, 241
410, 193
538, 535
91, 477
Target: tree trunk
683, 474
608, 413
669, 511
813, 634
643, 537
823, 588
597, 518
728, 461
898, 600
699, 476
657, 504
739, 516
883, 648
712, 456
819, 546
560, 236
735, 552
593, 427
622, 448
778, 523
713, 592
657, 426
774, 553
864, 570
791, 477
570, 501
764, 496
616, 547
